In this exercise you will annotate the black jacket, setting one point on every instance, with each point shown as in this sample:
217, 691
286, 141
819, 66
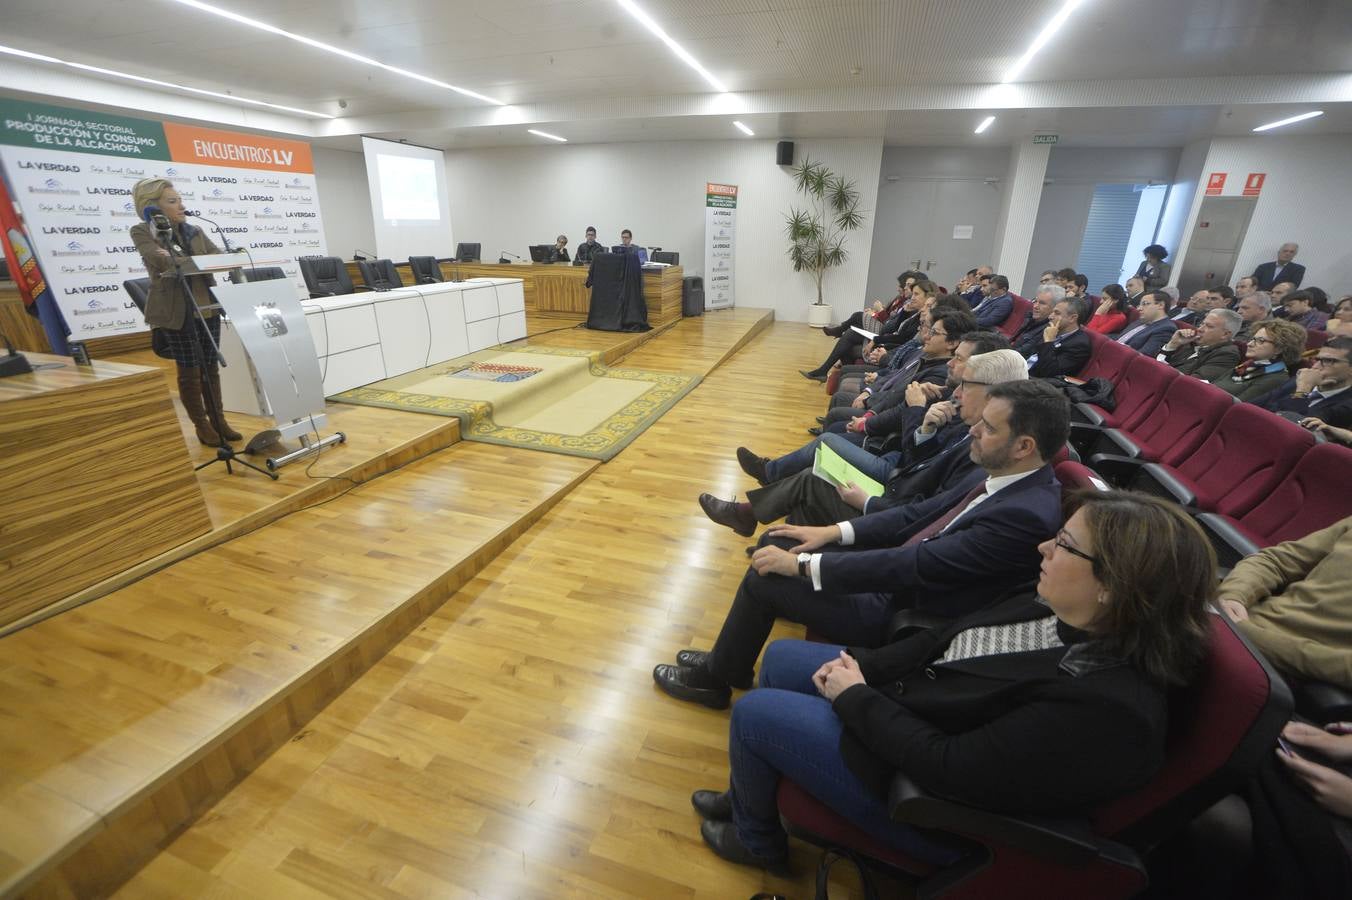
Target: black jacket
1267, 274
1335, 410
1041, 731
1210, 363
1064, 356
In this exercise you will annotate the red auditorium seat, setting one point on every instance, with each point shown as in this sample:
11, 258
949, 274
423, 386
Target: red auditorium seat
1138, 390
1250, 451
1185, 416
1076, 476
1014, 321
1314, 494
1220, 728
1315, 338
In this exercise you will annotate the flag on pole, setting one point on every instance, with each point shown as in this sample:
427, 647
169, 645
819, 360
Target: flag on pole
27, 275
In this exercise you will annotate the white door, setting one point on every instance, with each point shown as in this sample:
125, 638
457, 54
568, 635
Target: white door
962, 235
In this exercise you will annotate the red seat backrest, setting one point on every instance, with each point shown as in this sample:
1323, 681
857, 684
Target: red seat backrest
1186, 415
1314, 338
1316, 493
1076, 476
1014, 321
1250, 451
1108, 359
1220, 727
1140, 390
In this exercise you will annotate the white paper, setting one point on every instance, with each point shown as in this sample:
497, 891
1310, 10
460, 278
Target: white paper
962, 232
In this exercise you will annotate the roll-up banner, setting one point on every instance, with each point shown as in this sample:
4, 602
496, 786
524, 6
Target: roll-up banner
720, 234
71, 171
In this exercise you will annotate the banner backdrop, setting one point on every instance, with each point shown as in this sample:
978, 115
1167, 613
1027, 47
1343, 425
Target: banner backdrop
720, 232
71, 173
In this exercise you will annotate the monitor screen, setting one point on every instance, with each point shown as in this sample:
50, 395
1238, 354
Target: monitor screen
540, 252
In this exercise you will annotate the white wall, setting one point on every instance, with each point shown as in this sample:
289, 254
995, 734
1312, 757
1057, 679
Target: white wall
1063, 211
914, 167
345, 203
1305, 199
1179, 202
509, 198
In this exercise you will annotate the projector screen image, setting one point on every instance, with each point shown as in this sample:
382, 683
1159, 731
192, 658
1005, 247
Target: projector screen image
408, 188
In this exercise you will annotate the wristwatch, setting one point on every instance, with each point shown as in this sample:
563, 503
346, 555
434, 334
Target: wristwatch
804, 561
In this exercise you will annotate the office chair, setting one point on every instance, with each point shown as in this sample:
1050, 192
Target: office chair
425, 269
379, 274
325, 276
467, 252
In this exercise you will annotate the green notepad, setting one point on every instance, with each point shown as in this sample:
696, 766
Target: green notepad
829, 466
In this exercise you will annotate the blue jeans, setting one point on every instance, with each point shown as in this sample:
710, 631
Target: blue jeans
846, 446
785, 728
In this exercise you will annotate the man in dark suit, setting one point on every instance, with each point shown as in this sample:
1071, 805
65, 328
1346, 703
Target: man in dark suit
995, 306
1209, 352
1153, 327
1190, 315
1323, 391
590, 247
1269, 273
942, 555
1065, 346
1029, 335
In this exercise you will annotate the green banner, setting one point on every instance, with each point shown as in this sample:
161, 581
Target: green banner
80, 131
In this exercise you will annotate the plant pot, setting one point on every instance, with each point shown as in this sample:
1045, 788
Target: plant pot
819, 315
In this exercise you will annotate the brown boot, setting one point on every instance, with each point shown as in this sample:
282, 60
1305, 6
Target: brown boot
222, 427
190, 392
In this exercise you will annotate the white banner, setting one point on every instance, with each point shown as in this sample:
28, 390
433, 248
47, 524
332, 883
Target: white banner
720, 233
77, 204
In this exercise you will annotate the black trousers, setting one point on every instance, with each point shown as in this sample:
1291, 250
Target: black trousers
803, 498
856, 620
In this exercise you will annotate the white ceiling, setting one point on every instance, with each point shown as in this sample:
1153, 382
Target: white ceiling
798, 68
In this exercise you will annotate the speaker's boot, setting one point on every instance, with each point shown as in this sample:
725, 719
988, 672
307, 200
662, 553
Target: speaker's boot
222, 427
190, 392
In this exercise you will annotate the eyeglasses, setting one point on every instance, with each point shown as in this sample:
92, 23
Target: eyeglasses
1327, 360
1073, 551
1258, 340
966, 384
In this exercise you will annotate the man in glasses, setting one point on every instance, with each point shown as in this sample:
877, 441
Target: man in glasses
1322, 390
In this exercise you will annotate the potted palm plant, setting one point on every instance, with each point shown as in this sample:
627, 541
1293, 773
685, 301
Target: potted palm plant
817, 231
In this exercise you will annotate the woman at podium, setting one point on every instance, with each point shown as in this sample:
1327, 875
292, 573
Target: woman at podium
163, 218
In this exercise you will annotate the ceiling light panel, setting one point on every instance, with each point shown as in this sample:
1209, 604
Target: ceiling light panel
1290, 121
338, 51
985, 123
660, 33
546, 134
1044, 36
743, 129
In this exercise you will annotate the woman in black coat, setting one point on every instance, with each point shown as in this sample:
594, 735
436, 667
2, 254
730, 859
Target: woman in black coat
1041, 703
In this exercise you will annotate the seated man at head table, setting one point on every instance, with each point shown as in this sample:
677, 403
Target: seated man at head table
590, 247
627, 242
559, 252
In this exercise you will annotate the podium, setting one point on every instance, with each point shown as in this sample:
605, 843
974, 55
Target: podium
279, 356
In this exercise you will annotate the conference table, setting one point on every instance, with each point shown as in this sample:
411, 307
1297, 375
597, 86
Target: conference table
560, 288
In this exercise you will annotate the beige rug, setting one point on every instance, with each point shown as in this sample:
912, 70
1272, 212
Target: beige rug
563, 401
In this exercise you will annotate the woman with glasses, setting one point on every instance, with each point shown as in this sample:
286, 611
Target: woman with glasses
1273, 354
1043, 702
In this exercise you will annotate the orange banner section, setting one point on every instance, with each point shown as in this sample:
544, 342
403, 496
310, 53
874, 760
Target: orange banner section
207, 146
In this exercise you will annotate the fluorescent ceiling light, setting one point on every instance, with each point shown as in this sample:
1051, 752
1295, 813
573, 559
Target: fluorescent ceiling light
320, 45
744, 130
681, 52
232, 98
546, 134
1300, 118
1039, 42
985, 123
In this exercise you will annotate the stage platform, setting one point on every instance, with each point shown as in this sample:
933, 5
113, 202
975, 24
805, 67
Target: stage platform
136, 709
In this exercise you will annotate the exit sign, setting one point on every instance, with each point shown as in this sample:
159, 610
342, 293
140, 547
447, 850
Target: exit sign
1046, 138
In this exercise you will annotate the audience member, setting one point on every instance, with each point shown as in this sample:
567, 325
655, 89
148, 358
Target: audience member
1300, 309
934, 458
1278, 295
1198, 305
1064, 347
1135, 289
1111, 315
940, 556
1321, 390
1209, 352
849, 342
1341, 320
995, 306
1035, 320
1294, 601
1270, 273
1273, 353
1153, 328
1154, 271
1043, 703
1255, 309
1047, 277
1221, 297
1245, 286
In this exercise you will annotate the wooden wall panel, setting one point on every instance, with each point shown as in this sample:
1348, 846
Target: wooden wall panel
95, 477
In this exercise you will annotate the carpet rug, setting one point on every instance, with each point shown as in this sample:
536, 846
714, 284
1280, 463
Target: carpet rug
543, 398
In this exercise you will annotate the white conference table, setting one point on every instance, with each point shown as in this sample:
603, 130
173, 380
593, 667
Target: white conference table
364, 338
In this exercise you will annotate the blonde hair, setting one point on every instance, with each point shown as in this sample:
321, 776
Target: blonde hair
146, 191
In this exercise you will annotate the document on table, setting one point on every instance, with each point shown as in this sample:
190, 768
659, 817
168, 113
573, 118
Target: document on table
829, 466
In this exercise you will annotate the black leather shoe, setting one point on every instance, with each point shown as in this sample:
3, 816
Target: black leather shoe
815, 430
752, 464
821, 420
699, 659
713, 805
835, 330
694, 685
813, 375
722, 839
725, 512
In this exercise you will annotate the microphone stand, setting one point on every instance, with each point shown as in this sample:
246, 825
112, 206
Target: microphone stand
224, 453
502, 257
225, 242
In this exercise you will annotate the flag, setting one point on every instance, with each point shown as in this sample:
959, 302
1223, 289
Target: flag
27, 274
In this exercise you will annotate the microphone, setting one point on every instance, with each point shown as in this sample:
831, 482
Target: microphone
503, 254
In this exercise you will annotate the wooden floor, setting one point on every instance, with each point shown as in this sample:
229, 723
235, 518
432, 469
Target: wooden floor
512, 745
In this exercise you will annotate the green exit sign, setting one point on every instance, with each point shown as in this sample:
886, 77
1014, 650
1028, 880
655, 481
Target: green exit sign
1046, 138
